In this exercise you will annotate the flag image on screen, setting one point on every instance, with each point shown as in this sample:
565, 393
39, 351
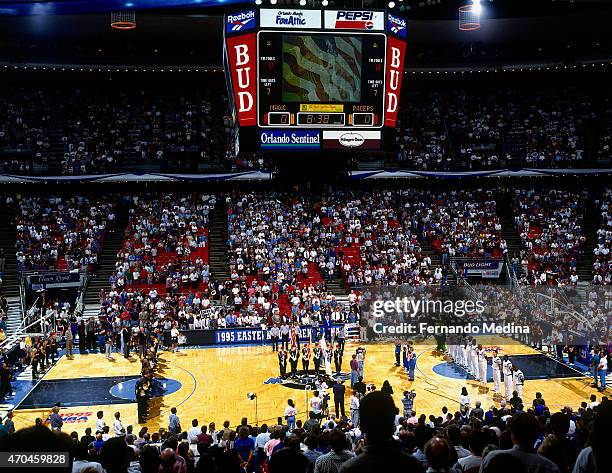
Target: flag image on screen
321, 68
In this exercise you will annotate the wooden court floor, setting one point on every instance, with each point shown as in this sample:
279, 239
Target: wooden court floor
215, 382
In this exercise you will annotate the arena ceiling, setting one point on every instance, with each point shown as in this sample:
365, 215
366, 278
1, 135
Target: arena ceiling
538, 24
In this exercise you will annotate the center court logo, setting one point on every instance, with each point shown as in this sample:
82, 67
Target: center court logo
243, 21
308, 381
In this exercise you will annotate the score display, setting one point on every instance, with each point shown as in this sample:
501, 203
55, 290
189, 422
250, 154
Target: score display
310, 79
320, 79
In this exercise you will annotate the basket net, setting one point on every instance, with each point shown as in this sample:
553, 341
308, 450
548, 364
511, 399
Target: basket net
123, 20
469, 19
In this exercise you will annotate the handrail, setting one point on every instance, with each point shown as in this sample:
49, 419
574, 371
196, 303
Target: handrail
22, 298
22, 332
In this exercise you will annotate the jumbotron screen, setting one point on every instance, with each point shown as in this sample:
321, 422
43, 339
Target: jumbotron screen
315, 79
318, 79
320, 68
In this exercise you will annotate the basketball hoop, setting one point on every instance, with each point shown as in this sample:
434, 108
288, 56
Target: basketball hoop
123, 20
469, 18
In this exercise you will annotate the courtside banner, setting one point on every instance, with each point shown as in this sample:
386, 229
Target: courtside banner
350, 140
396, 54
354, 20
232, 336
290, 18
242, 59
238, 23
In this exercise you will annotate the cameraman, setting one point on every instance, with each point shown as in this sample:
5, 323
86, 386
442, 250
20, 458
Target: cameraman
408, 403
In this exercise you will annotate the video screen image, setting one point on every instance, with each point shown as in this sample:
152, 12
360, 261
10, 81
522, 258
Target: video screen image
321, 68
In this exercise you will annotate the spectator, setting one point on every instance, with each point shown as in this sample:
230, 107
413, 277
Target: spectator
524, 430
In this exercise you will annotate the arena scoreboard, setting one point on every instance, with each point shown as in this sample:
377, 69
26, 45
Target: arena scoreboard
307, 79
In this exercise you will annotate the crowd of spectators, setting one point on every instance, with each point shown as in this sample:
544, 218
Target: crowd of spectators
166, 243
61, 233
471, 129
373, 245
479, 123
25, 120
162, 272
555, 125
82, 131
516, 437
602, 266
604, 147
422, 141
273, 236
549, 222
85, 131
462, 223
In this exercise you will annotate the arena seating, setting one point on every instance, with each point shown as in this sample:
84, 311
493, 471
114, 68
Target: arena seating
470, 129
549, 222
460, 223
57, 233
555, 123
86, 131
602, 267
166, 244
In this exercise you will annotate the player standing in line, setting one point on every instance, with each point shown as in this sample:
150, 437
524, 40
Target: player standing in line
497, 367
519, 380
474, 361
468, 357
507, 368
412, 359
464, 354
482, 361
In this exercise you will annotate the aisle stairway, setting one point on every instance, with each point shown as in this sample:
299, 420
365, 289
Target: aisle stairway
505, 212
107, 259
217, 238
590, 225
10, 276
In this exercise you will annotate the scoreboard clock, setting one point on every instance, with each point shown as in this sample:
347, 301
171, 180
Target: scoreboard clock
305, 79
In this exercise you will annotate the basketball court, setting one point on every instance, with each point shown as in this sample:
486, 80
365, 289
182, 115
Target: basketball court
211, 385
